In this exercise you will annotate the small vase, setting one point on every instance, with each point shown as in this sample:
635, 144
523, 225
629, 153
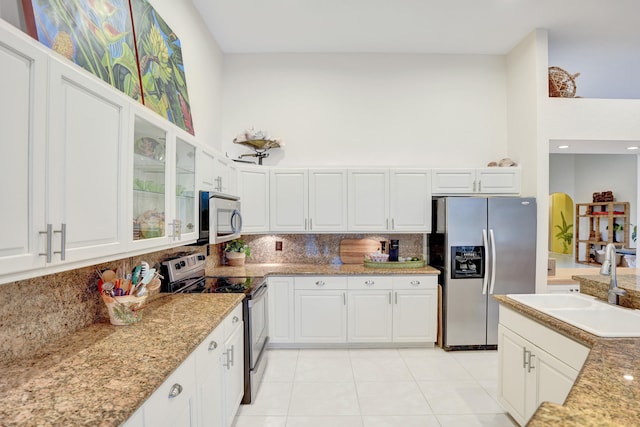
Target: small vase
235, 258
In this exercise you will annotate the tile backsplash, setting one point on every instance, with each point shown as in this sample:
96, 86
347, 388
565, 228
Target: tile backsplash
36, 312
320, 248
42, 310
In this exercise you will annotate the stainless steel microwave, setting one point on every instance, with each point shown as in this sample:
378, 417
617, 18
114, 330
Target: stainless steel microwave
220, 217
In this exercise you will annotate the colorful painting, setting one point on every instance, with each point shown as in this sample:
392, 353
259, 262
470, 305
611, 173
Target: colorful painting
95, 34
161, 69
123, 42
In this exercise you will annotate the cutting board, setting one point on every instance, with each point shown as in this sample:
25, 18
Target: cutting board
352, 251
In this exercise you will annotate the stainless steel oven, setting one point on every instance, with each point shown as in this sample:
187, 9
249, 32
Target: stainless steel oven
185, 274
256, 336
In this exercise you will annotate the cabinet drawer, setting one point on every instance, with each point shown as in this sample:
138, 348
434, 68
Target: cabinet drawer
172, 404
415, 282
232, 321
369, 282
321, 282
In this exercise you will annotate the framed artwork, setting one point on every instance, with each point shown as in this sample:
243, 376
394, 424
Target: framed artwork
164, 85
126, 43
95, 34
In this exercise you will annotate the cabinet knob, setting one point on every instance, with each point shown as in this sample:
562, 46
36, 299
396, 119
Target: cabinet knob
319, 283
235, 319
370, 282
175, 390
415, 282
213, 345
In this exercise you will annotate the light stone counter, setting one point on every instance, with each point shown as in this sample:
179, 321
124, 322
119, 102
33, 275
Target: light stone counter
101, 374
292, 269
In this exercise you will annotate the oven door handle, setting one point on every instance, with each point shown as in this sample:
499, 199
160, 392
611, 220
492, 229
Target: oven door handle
262, 290
236, 222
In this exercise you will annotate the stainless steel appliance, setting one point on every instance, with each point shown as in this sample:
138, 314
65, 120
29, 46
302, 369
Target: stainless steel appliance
482, 247
185, 273
220, 217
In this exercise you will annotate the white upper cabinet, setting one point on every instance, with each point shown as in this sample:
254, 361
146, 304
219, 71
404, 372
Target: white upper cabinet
216, 172
22, 164
88, 122
185, 225
396, 200
410, 200
498, 180
368, 200
151, 208
253, 189
493, 180
327, 200
289, 200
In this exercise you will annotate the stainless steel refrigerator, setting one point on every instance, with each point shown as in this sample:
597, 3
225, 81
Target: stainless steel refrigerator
482, 247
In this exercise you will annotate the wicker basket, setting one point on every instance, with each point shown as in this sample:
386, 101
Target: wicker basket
561, 83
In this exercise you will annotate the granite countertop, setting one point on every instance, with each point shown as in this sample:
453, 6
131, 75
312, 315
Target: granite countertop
101, 374
292, 269
600, 395
598, 286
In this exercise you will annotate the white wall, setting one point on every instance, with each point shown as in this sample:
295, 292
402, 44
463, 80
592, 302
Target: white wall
562, 174
366, 109
527, 89
203, 67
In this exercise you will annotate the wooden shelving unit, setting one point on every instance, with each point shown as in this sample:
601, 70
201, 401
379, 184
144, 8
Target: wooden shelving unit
595, 219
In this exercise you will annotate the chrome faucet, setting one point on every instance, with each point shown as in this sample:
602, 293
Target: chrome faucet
609, 269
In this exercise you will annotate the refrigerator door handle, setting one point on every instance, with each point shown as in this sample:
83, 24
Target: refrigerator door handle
492, 240
485, 280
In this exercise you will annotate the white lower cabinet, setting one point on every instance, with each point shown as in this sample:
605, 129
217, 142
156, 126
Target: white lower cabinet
415, 309
536, 365
233, 367
357, 309
174, 403
210, 379
281, 303
206, 389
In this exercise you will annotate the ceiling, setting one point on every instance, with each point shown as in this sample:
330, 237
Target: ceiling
415, 26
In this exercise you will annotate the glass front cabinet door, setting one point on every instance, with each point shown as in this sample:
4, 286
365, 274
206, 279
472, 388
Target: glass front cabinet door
149, 180
184, 226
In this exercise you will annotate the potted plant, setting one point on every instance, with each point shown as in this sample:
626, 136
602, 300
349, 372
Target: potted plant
236, 252
565, 235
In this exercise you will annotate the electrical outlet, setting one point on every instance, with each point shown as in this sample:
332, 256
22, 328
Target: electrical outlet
278, 245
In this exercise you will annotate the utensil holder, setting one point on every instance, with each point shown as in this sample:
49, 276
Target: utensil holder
124, 310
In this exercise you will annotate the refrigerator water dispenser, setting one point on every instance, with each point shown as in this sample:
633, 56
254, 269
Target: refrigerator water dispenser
467, 262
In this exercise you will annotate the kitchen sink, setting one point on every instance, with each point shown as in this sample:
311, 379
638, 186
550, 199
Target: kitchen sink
585, 312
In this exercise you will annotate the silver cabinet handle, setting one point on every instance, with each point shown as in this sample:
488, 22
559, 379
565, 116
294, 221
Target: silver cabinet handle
396, 298
235, 319
387, 226
344, 298
233, 355
213, 345
393, 223
63, 241
389, 297
48, 243
479, 186
531, 367
369, 282
319, 283
228, 359
524, 357
310, 223
415, 282
175, 390
474, 185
